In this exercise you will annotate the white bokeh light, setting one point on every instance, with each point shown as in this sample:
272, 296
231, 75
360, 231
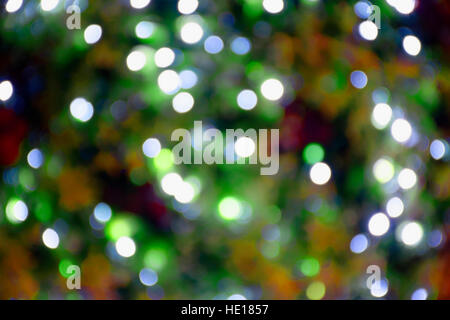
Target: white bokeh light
378, 224
407, 179
247, 99
171, 182
81, 109
183, 102
272, 89
16, 211
187, 6
169, 81
6, 90
184, 192
139, 4
188, 79
244, 147
320, 173
151, 147
412, 45
401, 130
273, 6
383, 170
136, 60
125, 247
92, 34
49, 5
368, 30
380, 289
13, 5
395, 207
144, 29
164, 57
405, 6
381, 115
50, 238
191, 32
410, 233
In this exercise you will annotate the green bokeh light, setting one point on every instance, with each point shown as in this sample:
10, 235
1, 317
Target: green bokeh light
309, 266
164, 160
313, 153
63, 265
156, 258
230, 208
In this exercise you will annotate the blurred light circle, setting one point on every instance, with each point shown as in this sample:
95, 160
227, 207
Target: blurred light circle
247, 99
16, 211
136, 60
412, 45
405, 6
213, 44
13, 5
320, 173
6, 90
139, 4
164, 57
185, 193
359, 243
383, 170
420, 294
379, 290
50, 238
358, 79
230, 208
378, 224
151, 147
273, 6
244, 147
381, 115
49, 5
394, 207
93, 33
240, 45
407, 179
170, 183
316, 290
125, 247
187, 6
188, 79
362, 9
401, 130
272, 89
102, 212
435, 238
35, 158
368, 30
144, 29
191, 32
183, 102
236, 296
81, 109
148, 277
410, 233
437, 149
169, 81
